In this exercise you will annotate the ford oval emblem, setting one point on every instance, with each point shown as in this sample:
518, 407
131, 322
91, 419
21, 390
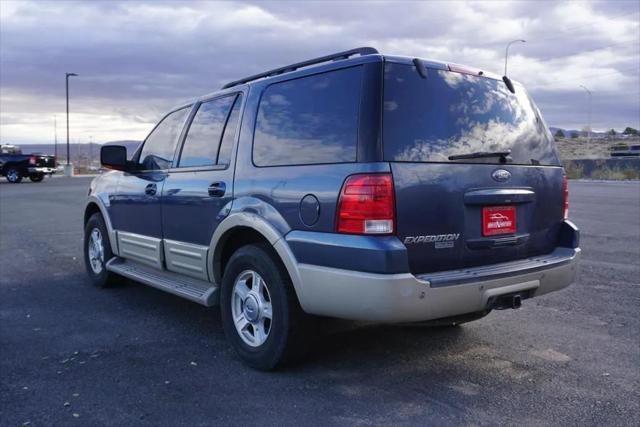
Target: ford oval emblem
501, 175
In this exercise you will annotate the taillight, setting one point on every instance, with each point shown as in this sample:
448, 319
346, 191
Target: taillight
565, 192
32, 160
366, 205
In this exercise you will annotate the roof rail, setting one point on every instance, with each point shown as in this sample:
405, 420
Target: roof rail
333, 57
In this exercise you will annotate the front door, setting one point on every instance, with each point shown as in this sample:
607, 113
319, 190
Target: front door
135, 206
198, 192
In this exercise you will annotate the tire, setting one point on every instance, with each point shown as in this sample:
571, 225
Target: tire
36, 177
96, 270
13, 176
284, 331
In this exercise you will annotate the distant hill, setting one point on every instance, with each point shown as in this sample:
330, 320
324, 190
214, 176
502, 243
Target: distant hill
568, 132
77, 150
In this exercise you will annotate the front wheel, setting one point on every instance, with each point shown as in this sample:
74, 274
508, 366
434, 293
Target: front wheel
97, 251
36, 177
261, 315
13, 176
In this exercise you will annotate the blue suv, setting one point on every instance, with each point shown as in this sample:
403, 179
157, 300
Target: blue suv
356, 186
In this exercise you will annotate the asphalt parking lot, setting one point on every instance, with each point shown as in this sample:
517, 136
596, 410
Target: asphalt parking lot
73, 354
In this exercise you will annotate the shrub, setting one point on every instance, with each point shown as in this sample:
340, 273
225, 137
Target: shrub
620, 146
573, 170
615, 173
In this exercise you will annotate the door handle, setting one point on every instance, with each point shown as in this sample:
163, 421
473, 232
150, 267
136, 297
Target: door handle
150, 189
217, 189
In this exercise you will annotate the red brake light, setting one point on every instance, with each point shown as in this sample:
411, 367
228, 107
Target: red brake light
565, 192
366, 205
32, 160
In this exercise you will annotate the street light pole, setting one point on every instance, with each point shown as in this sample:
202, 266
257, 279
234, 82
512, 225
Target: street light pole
55, 137
506, 53
68, 170
588, 117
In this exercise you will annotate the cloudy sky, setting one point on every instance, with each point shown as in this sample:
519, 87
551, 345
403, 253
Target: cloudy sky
137, 59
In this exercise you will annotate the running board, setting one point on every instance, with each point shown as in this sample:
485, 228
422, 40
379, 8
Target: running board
200, 291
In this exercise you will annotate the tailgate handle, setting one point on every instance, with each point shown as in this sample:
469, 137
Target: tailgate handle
497, 242
491, 196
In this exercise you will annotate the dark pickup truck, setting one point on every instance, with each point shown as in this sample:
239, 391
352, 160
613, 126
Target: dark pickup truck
15, 166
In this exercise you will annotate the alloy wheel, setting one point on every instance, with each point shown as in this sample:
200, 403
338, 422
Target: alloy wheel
95, 248
251, 308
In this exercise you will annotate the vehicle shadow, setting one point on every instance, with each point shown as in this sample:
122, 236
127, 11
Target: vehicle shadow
345, 343
333, 342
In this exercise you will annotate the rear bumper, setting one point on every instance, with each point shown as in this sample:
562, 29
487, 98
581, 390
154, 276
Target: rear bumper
41, 170
404, 297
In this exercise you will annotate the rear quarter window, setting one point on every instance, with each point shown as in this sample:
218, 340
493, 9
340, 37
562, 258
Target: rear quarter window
310, 120
448, 114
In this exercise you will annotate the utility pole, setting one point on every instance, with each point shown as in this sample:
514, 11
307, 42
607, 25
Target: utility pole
68, 168
588, 117
55, 137
506, 53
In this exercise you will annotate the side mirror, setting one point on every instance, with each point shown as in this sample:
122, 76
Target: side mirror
113, 157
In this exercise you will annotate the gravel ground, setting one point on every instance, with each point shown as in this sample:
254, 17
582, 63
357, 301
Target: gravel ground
71, 354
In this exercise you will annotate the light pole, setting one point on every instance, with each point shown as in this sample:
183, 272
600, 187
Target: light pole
68, 169
506, 53
588, 117
55, 137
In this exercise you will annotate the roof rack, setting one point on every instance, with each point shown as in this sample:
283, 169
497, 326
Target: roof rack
362, 51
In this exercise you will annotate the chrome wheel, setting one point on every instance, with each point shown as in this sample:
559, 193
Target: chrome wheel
13, 175
95, 247
251, 308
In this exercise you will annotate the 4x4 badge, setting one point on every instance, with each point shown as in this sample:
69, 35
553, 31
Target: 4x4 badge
501, 175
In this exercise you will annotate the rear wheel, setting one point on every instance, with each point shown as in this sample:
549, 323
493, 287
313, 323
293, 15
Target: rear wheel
13, 175
97, 251
261, 315
37, 177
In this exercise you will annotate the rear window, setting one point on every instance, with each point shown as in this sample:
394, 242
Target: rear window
310, 120
451, 114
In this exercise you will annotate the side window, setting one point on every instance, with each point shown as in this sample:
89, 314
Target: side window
309, 120
229, 137
159, 147
203, 139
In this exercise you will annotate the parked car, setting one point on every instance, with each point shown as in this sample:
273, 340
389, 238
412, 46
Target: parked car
355, 186
14, 165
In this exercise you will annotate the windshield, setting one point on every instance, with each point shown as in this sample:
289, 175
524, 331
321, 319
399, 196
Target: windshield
449, 114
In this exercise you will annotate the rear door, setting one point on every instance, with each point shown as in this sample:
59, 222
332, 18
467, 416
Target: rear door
135, 206
199, 190
458, 205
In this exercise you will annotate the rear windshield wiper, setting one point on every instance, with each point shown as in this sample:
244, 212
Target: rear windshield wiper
481, 155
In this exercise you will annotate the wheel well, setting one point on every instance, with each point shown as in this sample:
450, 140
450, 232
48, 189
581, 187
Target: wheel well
89, 211
231, 241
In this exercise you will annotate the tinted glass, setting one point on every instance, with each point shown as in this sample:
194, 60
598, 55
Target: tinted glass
309, 120
203, 138
448, 114
159, 147
229, 137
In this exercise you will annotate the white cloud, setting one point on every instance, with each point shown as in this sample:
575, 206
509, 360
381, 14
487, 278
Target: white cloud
137, 59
